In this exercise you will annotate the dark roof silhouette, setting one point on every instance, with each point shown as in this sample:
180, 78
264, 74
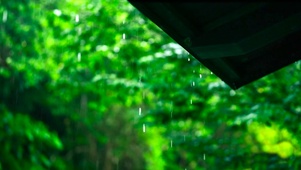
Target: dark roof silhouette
239, 42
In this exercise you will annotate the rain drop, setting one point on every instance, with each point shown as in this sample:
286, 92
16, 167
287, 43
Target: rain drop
139, 111
171, 143
188, 59
193, 84
201, 76
4, 17
190, 101
123, 36
204, 156
79, 56
76, 18
144, 128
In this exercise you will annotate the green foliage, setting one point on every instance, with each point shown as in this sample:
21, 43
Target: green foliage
96, 85
28, 142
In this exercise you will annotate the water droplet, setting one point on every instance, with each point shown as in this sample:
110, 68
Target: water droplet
201, 76
171, 143
139, 111
4, 17
144, 128
123, 22
211, 72
79, 56
76, 18
123, 36
188, 59
193, 71
204, 156
190, 101
193, 84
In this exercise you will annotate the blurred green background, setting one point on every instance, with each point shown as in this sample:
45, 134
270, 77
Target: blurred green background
95, 85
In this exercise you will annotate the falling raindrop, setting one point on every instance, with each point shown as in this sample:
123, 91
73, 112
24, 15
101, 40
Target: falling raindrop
139, 111
76, 18
144, 128
171, 143
123, 36
204, 156
193, 84
188, 59
201, 76
190, 101
193, 71
4, 17
79, 56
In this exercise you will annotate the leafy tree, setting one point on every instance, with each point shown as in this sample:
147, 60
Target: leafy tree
96, 85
